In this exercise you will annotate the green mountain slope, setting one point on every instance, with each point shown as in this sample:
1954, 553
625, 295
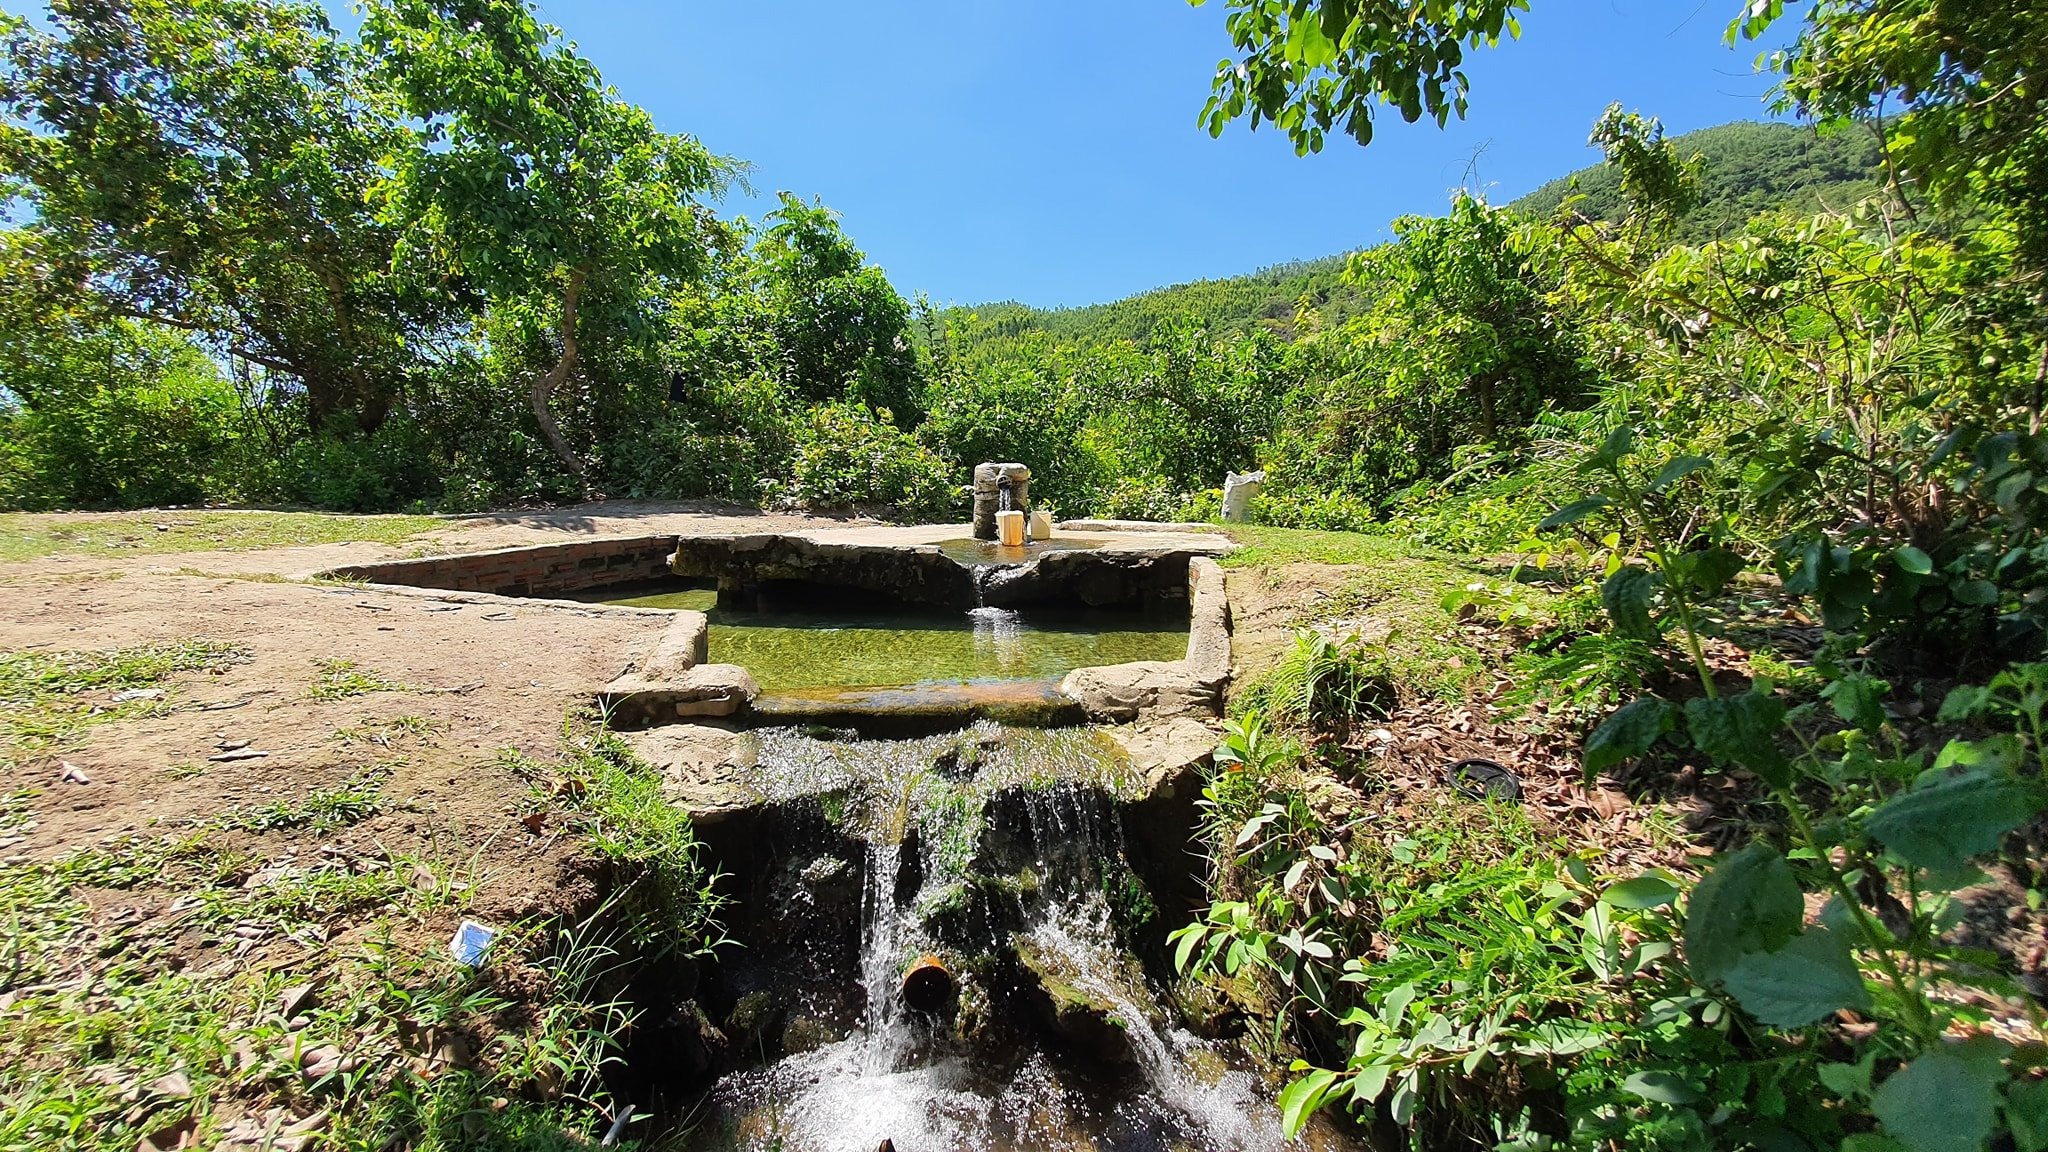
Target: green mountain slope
1267, 297
1749, 168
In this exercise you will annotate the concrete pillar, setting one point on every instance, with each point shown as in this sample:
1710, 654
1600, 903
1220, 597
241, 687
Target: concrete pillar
988, 480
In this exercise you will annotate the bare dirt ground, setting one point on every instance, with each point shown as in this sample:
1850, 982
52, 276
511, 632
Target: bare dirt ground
472, 678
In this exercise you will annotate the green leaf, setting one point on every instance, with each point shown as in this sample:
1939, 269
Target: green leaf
2026, 1114
1706, 571
1661, 1087
1677, 470
1561, 1038
1944, 1101
1749, 902
1942, 824
1849, 1081
1572, 513
1618, 446
1628, 733
1640, 892
1812, 976
1856, 699
1741, 730
1300, 1099
1964, 702
1975, 593
1914, 561
1626, 597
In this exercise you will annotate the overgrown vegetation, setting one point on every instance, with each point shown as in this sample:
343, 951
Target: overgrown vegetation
1781, 486
1752, 436
167, 352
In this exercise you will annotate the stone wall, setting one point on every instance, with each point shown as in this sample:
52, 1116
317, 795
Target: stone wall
771, 571
548, 570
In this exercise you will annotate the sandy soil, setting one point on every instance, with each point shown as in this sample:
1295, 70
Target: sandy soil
484, 677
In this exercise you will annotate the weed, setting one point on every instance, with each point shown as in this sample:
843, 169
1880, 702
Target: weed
48, 699
667, 896
292, 897
385, 734
401, 1048
1260, 546
323, 809
340, 679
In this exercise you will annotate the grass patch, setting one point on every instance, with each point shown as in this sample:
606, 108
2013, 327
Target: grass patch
105, 1044
48, 699
1259, 546
1404, 590
387, 733
666, 894
323, 809
340, 679
28, 535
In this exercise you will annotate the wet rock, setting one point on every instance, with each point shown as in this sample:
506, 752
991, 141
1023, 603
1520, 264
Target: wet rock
825, 869
806, 1034
1087, 1021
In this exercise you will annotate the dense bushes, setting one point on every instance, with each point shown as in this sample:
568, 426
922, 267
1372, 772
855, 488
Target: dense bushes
115, 417
851, 456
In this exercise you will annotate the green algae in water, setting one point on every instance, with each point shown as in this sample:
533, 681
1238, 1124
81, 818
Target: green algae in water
792, 651
689, 599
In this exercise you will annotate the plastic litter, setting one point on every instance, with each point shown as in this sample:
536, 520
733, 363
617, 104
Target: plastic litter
471, 941
1483, 780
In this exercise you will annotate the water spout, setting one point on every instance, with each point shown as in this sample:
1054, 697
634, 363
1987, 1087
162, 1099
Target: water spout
928, 986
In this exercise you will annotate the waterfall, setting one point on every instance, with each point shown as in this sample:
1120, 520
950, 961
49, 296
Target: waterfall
913, 1079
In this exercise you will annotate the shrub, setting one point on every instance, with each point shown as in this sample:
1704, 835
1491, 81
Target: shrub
1328, 511
120, 417
851, 456
376, 473
1023, 416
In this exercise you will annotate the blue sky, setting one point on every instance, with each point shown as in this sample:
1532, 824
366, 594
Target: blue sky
1047, 150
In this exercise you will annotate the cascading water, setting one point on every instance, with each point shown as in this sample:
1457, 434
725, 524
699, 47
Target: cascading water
947, 821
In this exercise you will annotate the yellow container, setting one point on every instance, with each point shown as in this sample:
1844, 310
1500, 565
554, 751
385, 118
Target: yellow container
1010, 529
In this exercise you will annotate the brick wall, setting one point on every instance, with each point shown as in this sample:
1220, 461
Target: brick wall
546, 570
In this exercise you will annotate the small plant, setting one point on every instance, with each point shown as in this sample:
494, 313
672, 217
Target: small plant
48, 699
323, 809
667, 898
340, 679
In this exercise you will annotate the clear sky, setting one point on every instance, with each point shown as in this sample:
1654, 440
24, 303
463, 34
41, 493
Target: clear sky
1048, 151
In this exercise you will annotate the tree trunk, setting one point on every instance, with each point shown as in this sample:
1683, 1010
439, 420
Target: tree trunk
545, 384
1484, 385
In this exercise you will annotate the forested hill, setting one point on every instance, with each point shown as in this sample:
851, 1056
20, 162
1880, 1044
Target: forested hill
1748, 167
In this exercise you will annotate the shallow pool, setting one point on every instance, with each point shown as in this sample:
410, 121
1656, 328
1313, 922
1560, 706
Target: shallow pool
788, 651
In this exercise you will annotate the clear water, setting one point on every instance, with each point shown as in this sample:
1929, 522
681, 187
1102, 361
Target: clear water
794, 651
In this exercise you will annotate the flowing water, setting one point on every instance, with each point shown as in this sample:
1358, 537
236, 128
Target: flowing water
1038, 805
